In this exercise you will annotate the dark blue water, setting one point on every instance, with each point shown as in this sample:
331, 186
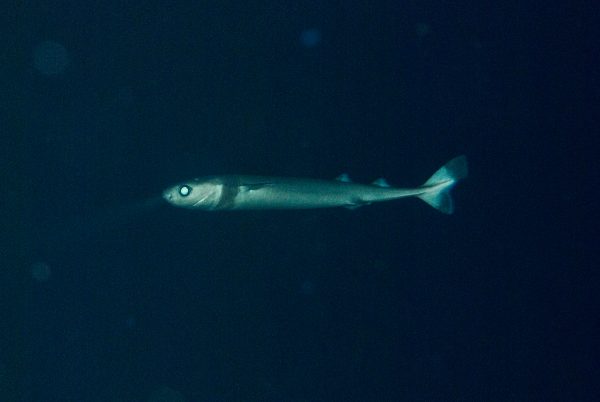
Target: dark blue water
131, 301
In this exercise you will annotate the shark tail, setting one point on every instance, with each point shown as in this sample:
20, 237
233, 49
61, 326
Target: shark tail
437, 188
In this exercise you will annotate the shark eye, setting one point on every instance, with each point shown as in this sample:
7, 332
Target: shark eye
185, 190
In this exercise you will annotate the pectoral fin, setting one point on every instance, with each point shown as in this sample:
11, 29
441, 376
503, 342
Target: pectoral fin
356, 204
253, 186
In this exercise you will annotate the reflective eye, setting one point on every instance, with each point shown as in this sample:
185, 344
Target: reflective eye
184, 190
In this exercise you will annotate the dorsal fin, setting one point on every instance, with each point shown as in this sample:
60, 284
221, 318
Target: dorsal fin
381, 182
344, 178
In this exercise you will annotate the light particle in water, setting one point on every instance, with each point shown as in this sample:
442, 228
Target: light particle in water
130, 322
422, 29
166, 394
310, 37
307, 288
50, 58
40, 271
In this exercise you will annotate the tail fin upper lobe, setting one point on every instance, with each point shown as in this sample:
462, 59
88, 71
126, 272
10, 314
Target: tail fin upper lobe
439, 185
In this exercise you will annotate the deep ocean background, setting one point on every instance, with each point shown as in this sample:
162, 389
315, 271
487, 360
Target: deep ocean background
121, 300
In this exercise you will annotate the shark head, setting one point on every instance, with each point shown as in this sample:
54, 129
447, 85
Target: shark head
197, 194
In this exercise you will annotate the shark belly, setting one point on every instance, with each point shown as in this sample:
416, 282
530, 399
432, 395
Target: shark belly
294, 194
304, 194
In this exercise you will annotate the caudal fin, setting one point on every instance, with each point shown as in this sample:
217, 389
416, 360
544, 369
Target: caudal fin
438, 186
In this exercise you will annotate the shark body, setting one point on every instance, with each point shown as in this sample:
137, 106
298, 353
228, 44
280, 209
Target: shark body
239, 192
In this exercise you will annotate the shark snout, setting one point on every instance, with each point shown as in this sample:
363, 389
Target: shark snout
167, 196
